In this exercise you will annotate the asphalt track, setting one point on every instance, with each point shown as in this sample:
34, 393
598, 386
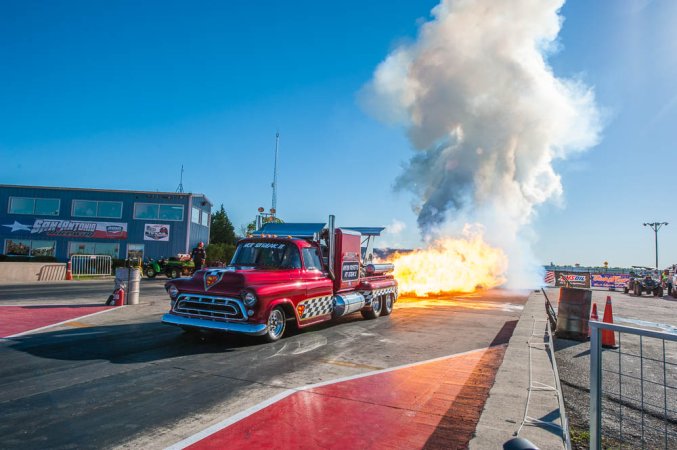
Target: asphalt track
123, 379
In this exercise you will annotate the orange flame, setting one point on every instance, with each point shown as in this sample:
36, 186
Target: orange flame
451, 265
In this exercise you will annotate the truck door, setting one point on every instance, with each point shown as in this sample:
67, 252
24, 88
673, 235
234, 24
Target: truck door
317, 281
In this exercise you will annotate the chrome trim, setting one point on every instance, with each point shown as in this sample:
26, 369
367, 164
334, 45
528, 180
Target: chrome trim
332, 248
252, 329
197, 305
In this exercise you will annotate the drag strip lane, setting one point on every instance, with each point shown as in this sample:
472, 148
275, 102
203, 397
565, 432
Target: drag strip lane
147, 385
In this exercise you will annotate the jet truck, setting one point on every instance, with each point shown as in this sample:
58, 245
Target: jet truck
286, 274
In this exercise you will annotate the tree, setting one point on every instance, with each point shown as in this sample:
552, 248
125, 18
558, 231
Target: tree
251, 226
222, 230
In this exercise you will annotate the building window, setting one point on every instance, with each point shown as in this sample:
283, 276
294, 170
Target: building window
25, 247
35, 206
195, 216
135, 251
155, 211
94, 248
205, 218
92, 208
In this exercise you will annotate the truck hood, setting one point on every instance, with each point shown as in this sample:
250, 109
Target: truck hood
229, 279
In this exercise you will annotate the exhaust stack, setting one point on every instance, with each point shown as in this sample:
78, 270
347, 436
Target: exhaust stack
332, 246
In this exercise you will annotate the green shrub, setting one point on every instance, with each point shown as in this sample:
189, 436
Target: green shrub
219, 253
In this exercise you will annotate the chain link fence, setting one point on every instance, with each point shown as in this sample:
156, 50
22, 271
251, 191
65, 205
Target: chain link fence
633, 388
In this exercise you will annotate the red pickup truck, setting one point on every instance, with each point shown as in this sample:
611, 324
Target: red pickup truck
300, 273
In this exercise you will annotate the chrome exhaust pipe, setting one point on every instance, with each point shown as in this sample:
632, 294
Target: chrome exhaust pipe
332, 246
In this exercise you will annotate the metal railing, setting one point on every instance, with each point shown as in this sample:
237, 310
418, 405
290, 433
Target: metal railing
633, 388
91, 265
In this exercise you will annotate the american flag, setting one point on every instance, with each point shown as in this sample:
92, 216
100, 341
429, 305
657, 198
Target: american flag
549, 278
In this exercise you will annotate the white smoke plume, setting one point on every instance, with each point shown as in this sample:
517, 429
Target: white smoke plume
487, 117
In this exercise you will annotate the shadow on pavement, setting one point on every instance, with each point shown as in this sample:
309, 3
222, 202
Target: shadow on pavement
458, 424
123, 344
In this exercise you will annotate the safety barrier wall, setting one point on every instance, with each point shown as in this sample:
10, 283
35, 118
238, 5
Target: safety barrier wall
30, 271
633, 388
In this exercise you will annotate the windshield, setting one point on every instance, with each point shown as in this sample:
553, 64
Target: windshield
271, 255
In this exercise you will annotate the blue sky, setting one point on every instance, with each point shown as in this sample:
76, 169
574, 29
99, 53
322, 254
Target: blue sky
120, 94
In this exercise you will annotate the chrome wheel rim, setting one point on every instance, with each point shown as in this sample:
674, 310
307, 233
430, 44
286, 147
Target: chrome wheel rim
276, 323
376, 304
389, 302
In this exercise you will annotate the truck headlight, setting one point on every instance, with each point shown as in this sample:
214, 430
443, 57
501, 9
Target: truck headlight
173, 291
249, 299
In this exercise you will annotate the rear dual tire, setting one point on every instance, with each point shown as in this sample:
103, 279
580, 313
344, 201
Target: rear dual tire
377, 308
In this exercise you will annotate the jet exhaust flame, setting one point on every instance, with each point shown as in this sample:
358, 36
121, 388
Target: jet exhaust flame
451, 265
487, 118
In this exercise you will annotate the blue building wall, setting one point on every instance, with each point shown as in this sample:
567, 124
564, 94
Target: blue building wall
72, 228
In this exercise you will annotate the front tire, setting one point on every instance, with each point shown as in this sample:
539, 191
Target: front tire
277, 322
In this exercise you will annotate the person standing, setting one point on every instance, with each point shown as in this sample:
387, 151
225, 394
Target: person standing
199, 255
667, 280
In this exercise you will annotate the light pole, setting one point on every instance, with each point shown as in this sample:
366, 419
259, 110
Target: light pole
655, 226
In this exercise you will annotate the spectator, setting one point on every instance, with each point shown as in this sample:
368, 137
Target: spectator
198, 255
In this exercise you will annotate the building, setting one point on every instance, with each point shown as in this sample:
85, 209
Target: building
59, 222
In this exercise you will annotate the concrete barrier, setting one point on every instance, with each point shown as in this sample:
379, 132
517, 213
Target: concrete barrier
29, 271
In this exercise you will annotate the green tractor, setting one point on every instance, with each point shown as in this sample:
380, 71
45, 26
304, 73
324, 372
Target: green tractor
172, 267
176, 267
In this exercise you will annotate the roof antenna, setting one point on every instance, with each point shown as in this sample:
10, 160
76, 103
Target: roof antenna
273, 209
180, 188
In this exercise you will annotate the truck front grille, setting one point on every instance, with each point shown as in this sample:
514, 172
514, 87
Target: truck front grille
210, 307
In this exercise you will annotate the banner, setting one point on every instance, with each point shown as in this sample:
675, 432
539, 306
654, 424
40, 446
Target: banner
156, 232
78, 228
609, 280
572, 279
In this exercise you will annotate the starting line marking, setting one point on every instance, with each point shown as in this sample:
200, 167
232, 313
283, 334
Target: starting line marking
63, 322
282, 395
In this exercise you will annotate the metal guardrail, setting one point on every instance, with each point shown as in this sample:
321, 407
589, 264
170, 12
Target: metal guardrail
633, 388
91, 265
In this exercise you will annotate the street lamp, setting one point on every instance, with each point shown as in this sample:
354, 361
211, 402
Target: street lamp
655, 226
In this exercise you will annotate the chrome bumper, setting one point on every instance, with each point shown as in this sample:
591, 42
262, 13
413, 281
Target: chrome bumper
252, 329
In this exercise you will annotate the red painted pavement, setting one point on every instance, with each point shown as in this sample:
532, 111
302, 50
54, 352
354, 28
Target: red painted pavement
431, 405
17, 319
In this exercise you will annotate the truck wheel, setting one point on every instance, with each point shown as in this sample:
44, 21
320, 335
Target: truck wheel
388, 302
150, 272
277, 321
376, 307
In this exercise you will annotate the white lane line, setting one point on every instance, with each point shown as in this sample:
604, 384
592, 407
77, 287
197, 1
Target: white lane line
646, 323
61, 323
229, 421
258, 407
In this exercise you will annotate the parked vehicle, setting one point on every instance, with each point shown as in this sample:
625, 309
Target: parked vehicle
179, 266
647, 285
302, 274
153, 267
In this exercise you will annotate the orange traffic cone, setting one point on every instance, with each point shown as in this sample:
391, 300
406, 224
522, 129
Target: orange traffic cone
593, 316
608, 336
69, 272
